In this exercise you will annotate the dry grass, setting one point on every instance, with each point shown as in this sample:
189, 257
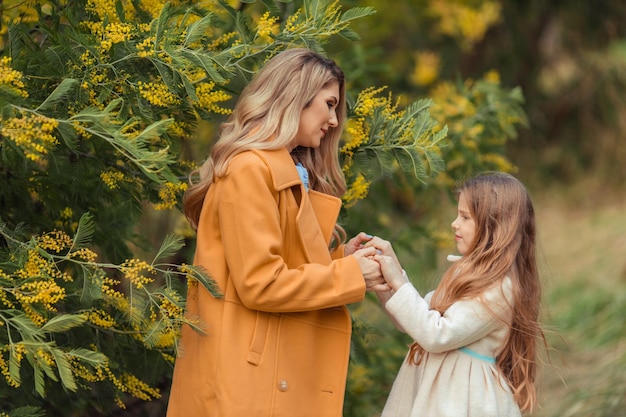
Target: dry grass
582, 239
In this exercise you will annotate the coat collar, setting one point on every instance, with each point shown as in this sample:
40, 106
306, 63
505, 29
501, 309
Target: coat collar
281, 166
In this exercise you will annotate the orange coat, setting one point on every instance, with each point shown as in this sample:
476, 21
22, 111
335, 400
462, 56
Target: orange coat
277, 344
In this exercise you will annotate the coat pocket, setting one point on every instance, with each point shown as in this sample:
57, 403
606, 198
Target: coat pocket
257, 345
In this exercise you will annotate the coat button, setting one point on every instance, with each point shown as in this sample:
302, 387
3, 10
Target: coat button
283, 385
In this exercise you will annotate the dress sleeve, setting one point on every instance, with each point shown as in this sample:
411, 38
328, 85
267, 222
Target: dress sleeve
250, 229
383, 297
464, 322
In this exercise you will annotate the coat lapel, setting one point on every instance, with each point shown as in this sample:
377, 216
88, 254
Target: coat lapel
317, 213
326, 208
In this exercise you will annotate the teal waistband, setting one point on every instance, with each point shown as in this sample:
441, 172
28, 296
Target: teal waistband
478, 355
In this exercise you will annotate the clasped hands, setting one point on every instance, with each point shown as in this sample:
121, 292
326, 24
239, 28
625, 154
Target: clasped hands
378, 261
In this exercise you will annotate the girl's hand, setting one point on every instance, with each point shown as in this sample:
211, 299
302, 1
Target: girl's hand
356, 243
383, 246
370, 268
392, 271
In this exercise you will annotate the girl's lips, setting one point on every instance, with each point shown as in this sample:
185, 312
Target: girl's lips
457, 237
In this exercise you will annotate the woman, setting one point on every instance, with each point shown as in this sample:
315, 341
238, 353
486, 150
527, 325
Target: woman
265, 210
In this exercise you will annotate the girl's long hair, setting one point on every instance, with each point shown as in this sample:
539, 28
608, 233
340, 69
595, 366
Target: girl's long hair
504, 245
267, 116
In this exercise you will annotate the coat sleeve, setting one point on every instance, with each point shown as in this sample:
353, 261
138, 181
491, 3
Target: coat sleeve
250, 227
464, 322
338, 252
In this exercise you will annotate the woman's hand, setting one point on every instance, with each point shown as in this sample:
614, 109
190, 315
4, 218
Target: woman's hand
374, 280
356, 243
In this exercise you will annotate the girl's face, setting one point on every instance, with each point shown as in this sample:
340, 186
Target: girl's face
464, 227
317, 117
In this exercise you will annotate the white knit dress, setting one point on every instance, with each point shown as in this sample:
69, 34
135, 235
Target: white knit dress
457, 376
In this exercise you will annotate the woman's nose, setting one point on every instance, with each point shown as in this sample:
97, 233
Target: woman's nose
333, 120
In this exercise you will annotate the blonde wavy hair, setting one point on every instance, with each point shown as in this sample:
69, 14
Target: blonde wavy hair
267, 116
504, 245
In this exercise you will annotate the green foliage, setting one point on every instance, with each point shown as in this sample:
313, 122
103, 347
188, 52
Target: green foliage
103, 105
378, 349
480, 118
380, 140
62, 310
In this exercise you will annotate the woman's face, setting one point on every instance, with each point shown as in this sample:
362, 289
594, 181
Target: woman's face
464, 226
317, 117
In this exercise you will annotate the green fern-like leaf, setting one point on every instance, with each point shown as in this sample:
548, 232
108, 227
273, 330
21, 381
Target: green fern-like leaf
272, 6
197, 29
85, 231
14, 367
153, 164
171, 244
138, 308
410, 160
201, 275
68, 134
189, 88
60, 93
62, 323
159, 25
28, 411
88, 356
92, 285
164, 71
350, 35
38, 375
153, 334
205, 61
24, 325
357, 13
64, 369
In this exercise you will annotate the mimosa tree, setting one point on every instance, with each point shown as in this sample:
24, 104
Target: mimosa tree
106, 105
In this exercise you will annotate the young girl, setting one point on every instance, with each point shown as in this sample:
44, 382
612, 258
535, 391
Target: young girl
475, 336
